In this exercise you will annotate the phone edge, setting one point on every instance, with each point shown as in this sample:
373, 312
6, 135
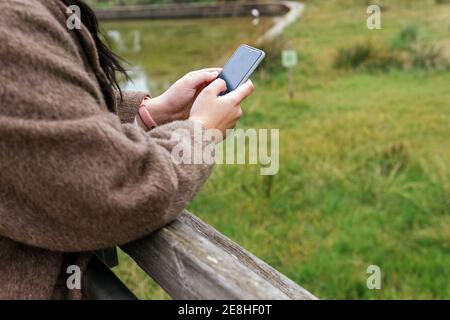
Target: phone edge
253, 68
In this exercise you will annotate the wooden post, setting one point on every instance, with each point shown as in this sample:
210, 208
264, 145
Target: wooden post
290, 84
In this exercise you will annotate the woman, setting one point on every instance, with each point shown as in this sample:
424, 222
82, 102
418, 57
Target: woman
80, 168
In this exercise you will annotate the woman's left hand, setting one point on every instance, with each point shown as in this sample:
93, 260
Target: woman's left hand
176, 102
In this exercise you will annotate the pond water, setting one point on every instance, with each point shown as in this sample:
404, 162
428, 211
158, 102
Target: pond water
161, 51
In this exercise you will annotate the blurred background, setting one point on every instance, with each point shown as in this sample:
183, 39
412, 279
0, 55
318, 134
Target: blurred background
364, 142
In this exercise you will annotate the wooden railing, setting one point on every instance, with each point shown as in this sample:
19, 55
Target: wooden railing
191, 10
191, 260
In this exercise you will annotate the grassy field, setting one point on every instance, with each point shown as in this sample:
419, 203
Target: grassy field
364, 165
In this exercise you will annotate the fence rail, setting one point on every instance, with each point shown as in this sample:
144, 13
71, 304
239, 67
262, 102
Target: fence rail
192, 260
191, 10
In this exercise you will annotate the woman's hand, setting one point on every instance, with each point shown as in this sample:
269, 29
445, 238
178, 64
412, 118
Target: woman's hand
176, 102
220, 112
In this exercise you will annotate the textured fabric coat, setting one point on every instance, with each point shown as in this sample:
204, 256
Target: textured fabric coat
74, 177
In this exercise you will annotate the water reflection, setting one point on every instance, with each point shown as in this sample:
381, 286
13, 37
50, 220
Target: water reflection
126, 42
130, 42
139, 81
161, 51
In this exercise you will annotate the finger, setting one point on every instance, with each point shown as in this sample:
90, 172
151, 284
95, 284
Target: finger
199, 78
241, 92
208, 70
216, 87
192, 73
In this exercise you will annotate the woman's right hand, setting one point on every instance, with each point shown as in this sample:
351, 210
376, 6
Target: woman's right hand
220, 112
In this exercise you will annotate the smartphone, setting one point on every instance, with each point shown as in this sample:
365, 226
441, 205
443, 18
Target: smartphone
240, 66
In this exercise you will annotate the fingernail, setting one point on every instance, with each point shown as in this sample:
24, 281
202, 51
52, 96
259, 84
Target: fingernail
215, 73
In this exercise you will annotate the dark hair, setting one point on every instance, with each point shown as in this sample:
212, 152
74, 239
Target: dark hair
109, 61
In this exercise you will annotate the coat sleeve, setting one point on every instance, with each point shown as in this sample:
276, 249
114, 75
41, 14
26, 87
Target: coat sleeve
128, 103
72, 176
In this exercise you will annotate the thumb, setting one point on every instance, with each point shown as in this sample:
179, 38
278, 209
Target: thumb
216, 87
242, 92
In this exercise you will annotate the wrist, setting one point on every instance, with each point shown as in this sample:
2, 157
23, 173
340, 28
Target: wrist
157, 107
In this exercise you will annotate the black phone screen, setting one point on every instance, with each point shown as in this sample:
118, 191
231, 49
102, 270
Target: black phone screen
238, 66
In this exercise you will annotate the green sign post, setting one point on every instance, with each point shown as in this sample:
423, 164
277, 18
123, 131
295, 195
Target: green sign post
289, 60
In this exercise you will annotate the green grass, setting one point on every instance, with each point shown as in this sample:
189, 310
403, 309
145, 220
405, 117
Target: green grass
364, 165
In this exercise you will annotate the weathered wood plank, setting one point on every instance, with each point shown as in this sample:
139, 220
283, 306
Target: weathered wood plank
191, 260
191, 10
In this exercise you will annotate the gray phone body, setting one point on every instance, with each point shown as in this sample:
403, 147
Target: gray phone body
240, 66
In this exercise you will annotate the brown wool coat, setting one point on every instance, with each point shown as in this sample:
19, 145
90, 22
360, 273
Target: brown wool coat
73, 177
